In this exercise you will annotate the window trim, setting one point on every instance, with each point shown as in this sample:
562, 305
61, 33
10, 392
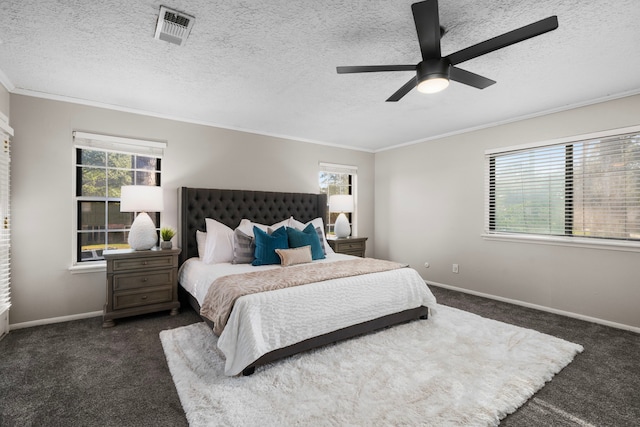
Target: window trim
570, 241
577, 242
109, 143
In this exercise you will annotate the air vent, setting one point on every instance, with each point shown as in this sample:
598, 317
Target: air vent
173, 26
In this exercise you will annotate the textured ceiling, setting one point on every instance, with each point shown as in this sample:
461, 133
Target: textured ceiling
269, 66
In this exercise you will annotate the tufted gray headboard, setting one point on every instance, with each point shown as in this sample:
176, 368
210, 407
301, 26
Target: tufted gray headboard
230, 206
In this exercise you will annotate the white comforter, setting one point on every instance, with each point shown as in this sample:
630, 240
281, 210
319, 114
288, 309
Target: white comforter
263, 322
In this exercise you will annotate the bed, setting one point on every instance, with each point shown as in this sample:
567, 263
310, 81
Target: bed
268, 326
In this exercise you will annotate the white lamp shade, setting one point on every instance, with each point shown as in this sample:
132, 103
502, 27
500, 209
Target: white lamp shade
141, 198
341, 203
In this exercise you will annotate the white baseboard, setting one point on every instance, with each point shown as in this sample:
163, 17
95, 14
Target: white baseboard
51, 320
441, 285
539, 307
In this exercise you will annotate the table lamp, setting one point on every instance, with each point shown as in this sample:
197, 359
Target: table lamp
341, 203
142, 199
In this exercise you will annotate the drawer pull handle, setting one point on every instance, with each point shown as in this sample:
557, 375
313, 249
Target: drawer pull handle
144, 279
144, 297
144, 262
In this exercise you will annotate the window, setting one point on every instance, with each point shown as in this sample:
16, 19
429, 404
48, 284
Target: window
337, 179
584, 187
102, 165
5, 228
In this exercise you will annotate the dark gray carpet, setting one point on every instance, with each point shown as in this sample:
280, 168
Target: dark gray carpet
78, 374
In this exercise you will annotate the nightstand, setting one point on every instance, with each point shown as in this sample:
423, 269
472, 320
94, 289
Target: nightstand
140, 282
351, 245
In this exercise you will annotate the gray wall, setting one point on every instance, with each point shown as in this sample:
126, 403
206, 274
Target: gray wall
430, 207
429, 201
4, 101
43, 287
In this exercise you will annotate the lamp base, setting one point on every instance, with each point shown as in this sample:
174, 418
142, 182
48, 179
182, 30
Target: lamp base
142, 235
342, 227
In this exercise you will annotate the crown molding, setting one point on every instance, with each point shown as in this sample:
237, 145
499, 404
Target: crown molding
63, 98
4, 80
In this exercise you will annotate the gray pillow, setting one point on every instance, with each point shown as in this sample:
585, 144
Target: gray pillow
243, 248
320, 239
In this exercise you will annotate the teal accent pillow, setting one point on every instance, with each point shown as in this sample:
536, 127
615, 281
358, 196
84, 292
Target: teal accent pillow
306, 237
266, 245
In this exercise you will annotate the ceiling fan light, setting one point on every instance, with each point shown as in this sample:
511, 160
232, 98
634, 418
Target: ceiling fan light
433, 85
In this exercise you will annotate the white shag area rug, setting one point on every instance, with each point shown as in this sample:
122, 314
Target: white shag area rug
454, 369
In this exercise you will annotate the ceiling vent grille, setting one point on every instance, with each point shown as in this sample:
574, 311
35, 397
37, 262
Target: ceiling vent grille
173, 26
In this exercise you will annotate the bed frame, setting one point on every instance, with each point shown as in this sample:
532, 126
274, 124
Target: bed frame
265, 207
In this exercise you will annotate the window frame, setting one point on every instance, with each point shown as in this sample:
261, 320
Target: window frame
568, 239
106, 144
352, 172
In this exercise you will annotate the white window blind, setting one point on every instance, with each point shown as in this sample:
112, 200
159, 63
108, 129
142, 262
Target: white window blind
119, 144
584, 187
340, 169
5, 228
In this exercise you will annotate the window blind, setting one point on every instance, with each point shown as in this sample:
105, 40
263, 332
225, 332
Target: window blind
588, 188
335, 168
119, 144
5, 232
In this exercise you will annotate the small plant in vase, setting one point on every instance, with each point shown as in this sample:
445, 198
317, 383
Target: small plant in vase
166, 234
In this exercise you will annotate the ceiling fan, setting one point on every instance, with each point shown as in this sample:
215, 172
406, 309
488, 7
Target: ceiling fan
434, 71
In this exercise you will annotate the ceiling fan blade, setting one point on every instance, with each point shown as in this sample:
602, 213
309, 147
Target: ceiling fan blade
374, 68
425, 16
504, 40
468, 78
403, 90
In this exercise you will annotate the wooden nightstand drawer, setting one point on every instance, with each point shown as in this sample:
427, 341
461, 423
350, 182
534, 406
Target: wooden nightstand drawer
141, 280
136, 299
142, 263
349, 245
359, 253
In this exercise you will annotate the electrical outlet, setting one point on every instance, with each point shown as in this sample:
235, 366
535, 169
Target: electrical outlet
455, 268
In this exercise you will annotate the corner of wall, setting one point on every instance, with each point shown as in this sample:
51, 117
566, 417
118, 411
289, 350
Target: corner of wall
5, 104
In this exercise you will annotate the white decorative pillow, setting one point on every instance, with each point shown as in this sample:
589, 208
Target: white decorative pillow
219, 245
318, 223
294, 256
201, 240
283, 223
246, 226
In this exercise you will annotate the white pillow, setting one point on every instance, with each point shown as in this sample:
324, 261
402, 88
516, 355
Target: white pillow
219, 244
317, 223
201, 240
246, 226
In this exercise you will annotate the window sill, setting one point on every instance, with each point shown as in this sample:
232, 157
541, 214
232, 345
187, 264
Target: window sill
92, 267
612, 245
